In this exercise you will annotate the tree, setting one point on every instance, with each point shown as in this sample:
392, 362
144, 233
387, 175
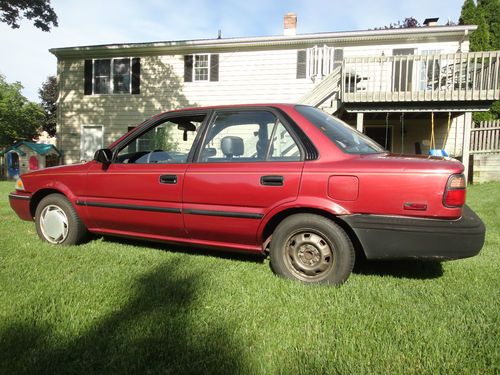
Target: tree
471, 15
486, 15
407, 23
468, 13
39, 11
490, 9
48, 95
19, 118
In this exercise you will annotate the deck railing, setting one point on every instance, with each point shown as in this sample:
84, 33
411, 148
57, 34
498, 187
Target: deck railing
485, 137
433, 77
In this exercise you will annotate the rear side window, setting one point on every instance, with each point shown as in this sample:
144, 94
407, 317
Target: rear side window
345, 137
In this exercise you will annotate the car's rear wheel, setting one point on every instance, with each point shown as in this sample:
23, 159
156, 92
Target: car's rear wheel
312, 249
57, 221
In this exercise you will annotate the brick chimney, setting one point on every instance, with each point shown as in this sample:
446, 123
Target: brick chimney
290, 22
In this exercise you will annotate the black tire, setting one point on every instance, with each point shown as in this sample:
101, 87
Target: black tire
312, 249
57, 221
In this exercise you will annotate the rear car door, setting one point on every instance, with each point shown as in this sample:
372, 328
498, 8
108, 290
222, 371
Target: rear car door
140, 192
248, 162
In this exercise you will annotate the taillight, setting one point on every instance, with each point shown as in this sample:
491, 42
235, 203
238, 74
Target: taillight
454, 194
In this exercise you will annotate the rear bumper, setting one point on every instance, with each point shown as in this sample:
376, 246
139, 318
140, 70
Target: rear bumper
20, 203
394, 237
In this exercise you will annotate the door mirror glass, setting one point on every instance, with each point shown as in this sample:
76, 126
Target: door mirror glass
104, 156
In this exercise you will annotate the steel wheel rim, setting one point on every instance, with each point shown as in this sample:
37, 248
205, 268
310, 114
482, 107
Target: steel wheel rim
54, 224
308, 255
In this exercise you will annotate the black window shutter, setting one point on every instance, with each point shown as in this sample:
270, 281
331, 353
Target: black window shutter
188, 68
301, 63
87, 86
136, 75
214, 67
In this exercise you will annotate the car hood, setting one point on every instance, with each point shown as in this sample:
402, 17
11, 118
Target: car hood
59, 169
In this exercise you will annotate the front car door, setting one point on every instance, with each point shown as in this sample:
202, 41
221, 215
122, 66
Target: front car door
140, 192
249, 162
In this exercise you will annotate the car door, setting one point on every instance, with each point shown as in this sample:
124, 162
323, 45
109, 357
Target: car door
249, 162
140, 192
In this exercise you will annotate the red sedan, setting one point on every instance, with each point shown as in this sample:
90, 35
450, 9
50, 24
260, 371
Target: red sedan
288, 180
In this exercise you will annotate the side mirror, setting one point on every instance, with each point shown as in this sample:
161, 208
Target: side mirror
103, 156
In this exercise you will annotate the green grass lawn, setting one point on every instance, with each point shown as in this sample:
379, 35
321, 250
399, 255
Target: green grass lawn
112, 306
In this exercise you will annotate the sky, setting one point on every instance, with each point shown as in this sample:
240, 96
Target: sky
24, 54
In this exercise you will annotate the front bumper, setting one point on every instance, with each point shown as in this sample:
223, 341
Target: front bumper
20, 203
395, 237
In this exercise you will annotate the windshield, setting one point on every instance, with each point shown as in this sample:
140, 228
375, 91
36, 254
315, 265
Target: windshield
344, 136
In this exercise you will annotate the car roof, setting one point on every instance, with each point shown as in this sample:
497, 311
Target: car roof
230, 106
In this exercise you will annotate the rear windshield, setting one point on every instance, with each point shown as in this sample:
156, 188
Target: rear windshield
344, 136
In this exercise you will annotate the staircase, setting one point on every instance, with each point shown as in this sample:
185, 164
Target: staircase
325, 94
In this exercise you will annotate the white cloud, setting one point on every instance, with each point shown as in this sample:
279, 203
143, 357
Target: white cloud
25, 57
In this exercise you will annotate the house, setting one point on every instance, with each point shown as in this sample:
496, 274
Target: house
412, 90
26, 156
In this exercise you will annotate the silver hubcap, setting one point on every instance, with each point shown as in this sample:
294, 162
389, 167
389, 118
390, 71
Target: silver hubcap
309, 255
54, 224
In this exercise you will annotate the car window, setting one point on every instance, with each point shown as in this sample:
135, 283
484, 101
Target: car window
346, 138
166, 143
248, 136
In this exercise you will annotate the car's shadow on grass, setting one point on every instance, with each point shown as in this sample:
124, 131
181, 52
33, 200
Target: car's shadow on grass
408, 269
153, 332
187, 249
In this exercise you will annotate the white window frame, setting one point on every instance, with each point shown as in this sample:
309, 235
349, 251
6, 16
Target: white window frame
207, 67
111, 76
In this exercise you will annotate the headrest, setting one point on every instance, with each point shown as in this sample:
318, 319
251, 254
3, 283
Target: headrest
232, 146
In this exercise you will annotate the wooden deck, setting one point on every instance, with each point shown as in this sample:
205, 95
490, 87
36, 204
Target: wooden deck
470, 76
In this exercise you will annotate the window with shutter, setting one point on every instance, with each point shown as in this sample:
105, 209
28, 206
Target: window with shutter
302, 64
201, 67
112, 76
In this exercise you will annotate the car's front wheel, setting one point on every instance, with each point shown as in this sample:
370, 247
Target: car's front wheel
312, 249
57, 221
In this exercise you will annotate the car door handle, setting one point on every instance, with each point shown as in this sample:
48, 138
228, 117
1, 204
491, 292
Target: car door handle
168, 179
272, 180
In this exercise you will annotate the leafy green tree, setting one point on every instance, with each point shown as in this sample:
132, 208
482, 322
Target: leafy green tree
490, 10
486, 15
468, 13
48, 95
472, 15
39, 11
19, 118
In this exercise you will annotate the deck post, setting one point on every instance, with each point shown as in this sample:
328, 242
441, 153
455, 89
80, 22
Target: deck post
466, 143
359, 121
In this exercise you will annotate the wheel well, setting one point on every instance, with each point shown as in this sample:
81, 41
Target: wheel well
278, 218
38, 196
